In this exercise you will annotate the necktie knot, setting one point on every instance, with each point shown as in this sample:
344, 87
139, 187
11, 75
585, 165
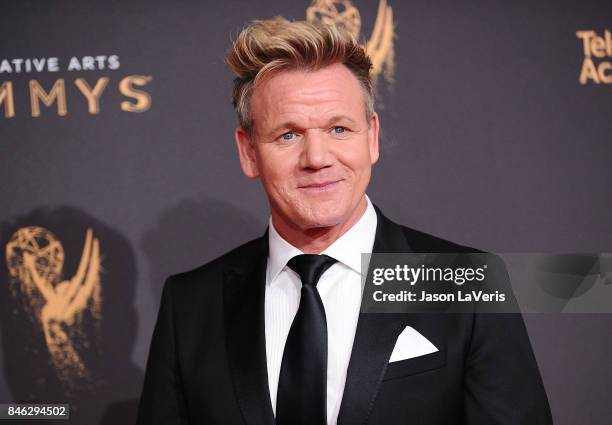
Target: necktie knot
310, 267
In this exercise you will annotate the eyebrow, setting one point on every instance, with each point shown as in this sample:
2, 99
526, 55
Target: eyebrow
332, 120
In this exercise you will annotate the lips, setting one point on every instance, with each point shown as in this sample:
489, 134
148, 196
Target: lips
320, 186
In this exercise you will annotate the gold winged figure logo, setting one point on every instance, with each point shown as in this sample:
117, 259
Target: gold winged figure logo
35, 259
344, 14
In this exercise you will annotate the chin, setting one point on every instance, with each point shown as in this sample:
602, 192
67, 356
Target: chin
321, 223
319, 219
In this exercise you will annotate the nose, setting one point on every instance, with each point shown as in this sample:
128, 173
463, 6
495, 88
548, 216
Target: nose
315, 150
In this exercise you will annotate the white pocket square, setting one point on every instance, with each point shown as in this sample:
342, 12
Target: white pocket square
411, 344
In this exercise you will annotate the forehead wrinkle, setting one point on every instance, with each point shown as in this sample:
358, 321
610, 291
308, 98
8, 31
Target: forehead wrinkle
311, 116
307, 98
312, 102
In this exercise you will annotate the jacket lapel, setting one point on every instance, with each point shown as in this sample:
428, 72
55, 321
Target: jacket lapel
375, 339
243, 299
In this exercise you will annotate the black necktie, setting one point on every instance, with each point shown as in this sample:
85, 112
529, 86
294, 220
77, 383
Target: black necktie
302, 386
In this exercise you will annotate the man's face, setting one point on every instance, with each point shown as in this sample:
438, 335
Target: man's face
312, 146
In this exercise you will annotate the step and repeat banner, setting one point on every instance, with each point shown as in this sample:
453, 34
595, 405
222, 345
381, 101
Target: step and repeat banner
118, 168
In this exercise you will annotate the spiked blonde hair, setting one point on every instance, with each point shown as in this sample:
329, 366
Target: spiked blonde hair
267, 46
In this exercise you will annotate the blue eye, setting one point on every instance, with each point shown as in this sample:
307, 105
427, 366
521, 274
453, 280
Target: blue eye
288, 135
339, 130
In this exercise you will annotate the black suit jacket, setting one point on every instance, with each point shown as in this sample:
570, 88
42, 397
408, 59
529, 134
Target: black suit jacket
207, 362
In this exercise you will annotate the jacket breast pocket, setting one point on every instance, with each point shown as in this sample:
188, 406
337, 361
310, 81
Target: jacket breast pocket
416, 365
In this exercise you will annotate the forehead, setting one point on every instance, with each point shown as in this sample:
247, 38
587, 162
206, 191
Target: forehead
307, 97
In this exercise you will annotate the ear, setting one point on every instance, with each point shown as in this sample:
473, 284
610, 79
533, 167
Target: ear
373, 137
246, 153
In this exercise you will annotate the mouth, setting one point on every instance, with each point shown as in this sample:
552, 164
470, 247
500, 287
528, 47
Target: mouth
320, 186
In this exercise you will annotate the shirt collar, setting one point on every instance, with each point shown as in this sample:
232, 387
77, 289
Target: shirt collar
347, 249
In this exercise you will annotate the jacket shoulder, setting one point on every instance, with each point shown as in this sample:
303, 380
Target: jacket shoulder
424, 242
394, 237
239, 259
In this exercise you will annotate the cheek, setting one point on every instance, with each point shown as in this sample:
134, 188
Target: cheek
276, 171
358, 159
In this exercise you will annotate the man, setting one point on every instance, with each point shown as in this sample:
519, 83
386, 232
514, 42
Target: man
270, 333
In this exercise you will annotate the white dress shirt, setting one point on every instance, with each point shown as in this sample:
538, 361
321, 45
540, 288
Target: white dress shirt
340, 289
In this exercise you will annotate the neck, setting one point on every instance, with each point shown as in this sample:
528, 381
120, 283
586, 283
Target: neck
316, 240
